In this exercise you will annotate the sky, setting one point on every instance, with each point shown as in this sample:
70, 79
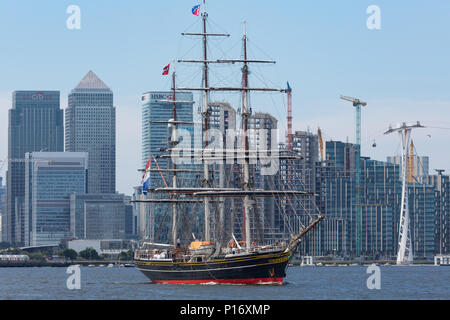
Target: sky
323, 48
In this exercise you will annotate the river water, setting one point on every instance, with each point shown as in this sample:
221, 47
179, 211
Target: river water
316, 283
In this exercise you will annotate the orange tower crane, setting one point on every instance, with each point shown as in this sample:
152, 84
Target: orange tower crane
319, 134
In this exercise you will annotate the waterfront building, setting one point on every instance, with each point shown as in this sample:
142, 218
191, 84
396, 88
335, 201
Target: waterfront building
335, 185
380, 194
2, 211
441, 184
50, 178
422, 212
379, 207
91, 127
129, 219
35, 124
306, 144
98, 216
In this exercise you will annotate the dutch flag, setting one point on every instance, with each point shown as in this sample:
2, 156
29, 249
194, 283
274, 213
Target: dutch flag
196, 10
146, 177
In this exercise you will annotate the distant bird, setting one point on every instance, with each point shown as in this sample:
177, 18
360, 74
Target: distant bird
374, 144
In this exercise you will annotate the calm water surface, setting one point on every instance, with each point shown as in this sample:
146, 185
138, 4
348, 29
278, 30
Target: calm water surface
397, 282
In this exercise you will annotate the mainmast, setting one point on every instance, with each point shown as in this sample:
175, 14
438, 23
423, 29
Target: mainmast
205, 115
208, 190
245, 115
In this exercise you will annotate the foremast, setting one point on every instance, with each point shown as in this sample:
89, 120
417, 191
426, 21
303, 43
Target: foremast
173, 143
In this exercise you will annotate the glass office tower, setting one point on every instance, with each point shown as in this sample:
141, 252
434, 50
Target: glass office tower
91, 127
50, 178
156, 112
154, 108
35, 124
98, 216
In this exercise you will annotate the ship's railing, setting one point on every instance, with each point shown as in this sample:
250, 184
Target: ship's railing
256, 249
183, 256
153, 254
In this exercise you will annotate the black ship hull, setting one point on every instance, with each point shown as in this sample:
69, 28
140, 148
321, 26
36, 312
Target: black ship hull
255, 268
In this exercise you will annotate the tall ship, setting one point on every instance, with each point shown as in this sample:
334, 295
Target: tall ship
219, 257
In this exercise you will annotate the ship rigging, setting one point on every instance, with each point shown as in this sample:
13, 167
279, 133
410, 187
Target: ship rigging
218, 260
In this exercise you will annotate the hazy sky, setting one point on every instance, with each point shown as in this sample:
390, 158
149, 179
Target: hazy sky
323, 48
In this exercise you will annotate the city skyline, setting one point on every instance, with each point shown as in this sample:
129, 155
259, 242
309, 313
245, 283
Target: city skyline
226, 146
394, 88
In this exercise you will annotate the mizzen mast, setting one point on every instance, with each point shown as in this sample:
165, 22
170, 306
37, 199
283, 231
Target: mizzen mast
173, 143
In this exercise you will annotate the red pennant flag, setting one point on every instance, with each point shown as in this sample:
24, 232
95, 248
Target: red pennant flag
166, 70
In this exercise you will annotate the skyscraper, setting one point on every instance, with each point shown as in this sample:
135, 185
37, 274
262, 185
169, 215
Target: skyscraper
156, 112
91, 127
222, 117
35, 124
155, 133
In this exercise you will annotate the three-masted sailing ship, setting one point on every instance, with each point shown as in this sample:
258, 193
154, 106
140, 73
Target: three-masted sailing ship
210, 260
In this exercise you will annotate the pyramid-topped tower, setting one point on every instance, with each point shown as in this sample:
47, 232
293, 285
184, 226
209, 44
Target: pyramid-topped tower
91, 127
91, 81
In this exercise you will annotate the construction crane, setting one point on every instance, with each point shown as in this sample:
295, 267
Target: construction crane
319, 134
357, 104
289, 116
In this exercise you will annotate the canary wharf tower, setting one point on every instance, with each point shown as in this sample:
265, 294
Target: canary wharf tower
91, 127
